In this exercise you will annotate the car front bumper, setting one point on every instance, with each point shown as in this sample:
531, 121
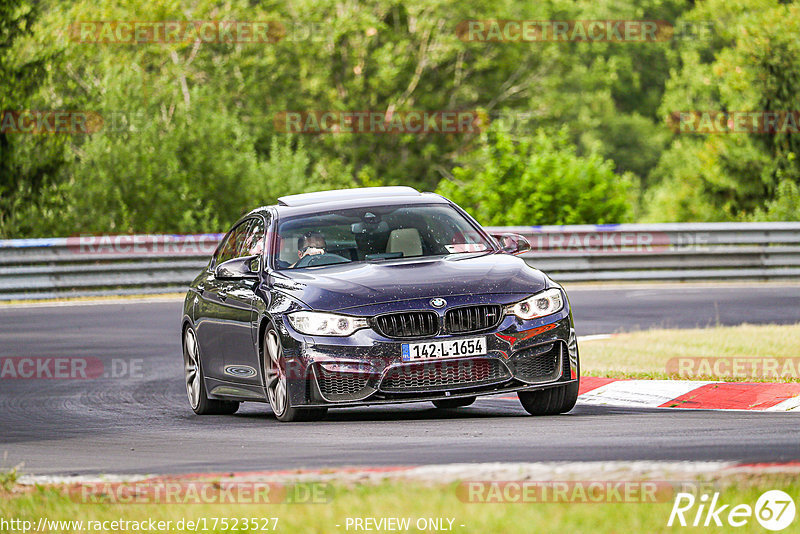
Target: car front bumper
367, 368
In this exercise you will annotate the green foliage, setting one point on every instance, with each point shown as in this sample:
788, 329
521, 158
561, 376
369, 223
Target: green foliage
785, 207
750, 63
178, 174
198, 143
27, 163
538, 180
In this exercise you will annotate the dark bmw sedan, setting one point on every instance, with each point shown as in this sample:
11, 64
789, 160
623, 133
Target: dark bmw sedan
373, 296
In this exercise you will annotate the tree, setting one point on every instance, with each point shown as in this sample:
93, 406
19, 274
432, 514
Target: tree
538, 180
750, 63
26, 163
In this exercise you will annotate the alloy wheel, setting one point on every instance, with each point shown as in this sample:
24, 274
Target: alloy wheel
275, 375
191, 366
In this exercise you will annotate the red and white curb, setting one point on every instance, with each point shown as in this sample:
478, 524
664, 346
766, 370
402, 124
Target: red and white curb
751, 396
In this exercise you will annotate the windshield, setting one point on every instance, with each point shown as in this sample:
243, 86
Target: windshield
375, 234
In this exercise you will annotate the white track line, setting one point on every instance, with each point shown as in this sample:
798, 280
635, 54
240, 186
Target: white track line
789, 405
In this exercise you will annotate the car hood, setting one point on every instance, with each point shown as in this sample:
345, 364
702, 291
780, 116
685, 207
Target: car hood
338, 287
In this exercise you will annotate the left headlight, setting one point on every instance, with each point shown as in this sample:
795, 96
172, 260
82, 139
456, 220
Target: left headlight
325, 324
541, 304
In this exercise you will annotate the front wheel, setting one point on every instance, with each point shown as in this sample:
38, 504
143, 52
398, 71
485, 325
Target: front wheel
276, 383
550, 401
195, 381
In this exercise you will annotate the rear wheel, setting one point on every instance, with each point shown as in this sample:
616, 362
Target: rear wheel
195, 381
448, 404
276, 383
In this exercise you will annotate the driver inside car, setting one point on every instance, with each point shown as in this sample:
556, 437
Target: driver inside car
310, 244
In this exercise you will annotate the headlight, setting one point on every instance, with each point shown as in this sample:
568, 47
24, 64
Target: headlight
325, 324
539, 305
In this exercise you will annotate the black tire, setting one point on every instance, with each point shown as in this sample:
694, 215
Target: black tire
194, 378
449, 404
276, 383
550, 401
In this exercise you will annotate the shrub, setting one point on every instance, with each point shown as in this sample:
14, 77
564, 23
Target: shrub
538, 179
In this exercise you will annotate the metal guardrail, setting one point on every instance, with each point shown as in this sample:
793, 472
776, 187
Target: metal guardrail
676, 251
109, 265
101, 265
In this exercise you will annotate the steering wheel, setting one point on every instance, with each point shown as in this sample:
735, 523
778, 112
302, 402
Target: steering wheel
320, 259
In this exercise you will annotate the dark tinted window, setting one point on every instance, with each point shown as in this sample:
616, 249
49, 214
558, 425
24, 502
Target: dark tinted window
254, 240
233, 243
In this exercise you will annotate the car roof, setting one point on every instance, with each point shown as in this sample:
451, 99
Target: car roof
358, 193
306, 203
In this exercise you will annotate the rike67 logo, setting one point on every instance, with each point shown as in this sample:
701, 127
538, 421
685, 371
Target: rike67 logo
774, 510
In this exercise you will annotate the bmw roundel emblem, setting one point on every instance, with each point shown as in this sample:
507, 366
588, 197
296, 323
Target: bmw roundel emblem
438, 302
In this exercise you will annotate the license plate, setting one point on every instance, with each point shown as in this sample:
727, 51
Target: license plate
450, 348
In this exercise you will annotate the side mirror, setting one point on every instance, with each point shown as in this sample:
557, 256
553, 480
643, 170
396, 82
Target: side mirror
513, 243
246, 268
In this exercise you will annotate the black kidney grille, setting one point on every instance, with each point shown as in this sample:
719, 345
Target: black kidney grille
472, 318
443, 375
539, 363
408, 324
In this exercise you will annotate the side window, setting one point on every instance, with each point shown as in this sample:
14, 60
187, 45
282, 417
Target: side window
221, 250
233, 244
254, 241
241, 235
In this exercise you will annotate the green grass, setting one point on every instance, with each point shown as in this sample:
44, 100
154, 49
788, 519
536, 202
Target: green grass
8, 479
399, 499
645, 354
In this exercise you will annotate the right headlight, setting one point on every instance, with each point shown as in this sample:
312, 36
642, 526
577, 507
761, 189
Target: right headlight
545, 303
325, 324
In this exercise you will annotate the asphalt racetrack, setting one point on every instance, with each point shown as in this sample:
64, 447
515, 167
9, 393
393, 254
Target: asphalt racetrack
143, 424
